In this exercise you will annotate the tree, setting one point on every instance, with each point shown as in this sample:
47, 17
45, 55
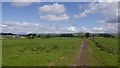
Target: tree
47, 36
87, 35
31, 36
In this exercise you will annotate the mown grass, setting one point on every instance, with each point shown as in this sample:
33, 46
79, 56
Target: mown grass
105, 58
39, 52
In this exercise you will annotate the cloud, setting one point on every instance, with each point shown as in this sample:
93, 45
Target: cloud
81, 15
26, 1
103, 28
108, 27
98, 30
53, 17
54, 12
83, 29
89, 9
108, 0
54, 9
23, 3
18, 27
72, 28
109, 11
25, 27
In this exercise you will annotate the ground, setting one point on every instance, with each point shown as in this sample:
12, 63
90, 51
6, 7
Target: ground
85, 56
59, 52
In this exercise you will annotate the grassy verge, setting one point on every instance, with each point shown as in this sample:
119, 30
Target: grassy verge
109, 44
104, 58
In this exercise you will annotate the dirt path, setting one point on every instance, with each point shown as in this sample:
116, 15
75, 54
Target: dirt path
85, 56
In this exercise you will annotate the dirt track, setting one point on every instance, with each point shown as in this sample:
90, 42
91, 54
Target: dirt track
85, 56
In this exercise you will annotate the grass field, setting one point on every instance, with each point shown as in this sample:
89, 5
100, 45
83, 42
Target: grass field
56, 51
106, 58
110, 43
39, 52
0, 52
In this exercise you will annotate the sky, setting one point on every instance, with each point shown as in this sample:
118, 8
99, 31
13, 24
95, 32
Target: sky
59, 17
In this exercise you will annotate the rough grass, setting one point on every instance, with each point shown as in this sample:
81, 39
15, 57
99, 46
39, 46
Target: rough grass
39, 52
0, 52
55, 51
104, 58
109, 43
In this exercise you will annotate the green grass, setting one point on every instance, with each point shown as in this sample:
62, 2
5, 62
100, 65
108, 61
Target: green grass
104, 58
39, 52
109, 43
56, 51
0, 52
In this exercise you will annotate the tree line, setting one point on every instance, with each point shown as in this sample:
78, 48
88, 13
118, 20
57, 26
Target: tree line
82, 35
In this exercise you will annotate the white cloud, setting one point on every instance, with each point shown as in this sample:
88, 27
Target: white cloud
26, 1
18, 27
73, 28
53, 17
108, 0
89, 9
53, 12
98, 30
23, 3
109, 10
84, 29
54, 9
103, 28
108, 27
25, 27
81, 15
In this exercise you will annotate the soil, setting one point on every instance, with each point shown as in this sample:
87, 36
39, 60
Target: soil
84, 56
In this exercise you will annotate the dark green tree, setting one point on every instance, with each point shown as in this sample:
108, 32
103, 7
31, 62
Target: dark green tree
47, 36
31, 36
87, 35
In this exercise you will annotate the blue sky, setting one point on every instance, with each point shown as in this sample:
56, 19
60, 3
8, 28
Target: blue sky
56, 17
